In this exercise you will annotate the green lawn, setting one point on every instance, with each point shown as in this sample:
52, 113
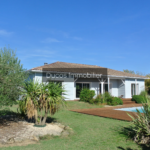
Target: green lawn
90, 133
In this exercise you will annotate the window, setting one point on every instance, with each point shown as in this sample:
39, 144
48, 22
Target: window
79, 87
105, 88
134, 89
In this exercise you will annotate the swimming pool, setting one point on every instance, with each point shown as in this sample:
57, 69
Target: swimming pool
131, 109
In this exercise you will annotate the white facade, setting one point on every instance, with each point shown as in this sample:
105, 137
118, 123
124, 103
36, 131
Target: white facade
119, 87
140, 87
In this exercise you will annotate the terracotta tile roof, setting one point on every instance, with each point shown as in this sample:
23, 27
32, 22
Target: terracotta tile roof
62, 66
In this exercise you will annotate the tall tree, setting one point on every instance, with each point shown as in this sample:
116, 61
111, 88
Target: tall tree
12, 76
133, 72
129, 71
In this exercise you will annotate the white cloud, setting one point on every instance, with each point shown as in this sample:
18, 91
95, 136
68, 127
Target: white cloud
50, 40
5, 33
77, 38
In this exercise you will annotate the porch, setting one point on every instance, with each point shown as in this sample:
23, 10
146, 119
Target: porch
115, 87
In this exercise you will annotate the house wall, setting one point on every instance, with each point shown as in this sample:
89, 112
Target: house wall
38, 77
95, 86
114, 87
141, 85
67, 83
128, 83
121, 89
70, 90
118, 88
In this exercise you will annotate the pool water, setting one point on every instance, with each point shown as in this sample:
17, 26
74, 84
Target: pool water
131, 109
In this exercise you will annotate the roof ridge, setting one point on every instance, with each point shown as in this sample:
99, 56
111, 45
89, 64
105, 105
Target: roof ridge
79, 64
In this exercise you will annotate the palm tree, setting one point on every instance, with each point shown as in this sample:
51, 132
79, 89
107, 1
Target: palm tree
42, 99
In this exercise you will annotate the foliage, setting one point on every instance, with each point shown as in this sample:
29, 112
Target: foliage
5, 111
12, 76
147, 84
138, 99
39, 97
133, 72
144, 94
102, 98
22, 108
129, 71
86, 95
107, 95
106, 98
98, 99
114, 101
141, 125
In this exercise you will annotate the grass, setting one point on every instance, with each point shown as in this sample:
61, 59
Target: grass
90, 133
81, 105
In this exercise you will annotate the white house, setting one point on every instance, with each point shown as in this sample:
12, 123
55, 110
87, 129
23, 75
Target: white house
74, 78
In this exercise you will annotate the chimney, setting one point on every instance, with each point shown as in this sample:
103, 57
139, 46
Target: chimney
45, 63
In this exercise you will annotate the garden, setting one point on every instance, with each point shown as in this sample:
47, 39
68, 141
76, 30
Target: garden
41, 119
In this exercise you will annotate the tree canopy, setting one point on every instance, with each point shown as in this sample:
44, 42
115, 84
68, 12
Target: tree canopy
12, 76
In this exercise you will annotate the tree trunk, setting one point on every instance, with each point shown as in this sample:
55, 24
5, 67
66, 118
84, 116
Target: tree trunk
44, 119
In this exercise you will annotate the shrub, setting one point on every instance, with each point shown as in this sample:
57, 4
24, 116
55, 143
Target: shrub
98, 99
87, 95
92, 101
138, 98
107, 95
143, 93
119, 101
141, 125
114, 101
102, 98
110, 101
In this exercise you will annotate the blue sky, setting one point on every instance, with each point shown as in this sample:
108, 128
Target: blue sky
109, 33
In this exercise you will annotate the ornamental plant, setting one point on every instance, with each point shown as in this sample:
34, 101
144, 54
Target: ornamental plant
86, 95
42, 99
141, 125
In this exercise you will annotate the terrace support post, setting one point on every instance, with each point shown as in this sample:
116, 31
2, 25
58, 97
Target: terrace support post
102, 87
108, 84
136, 87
